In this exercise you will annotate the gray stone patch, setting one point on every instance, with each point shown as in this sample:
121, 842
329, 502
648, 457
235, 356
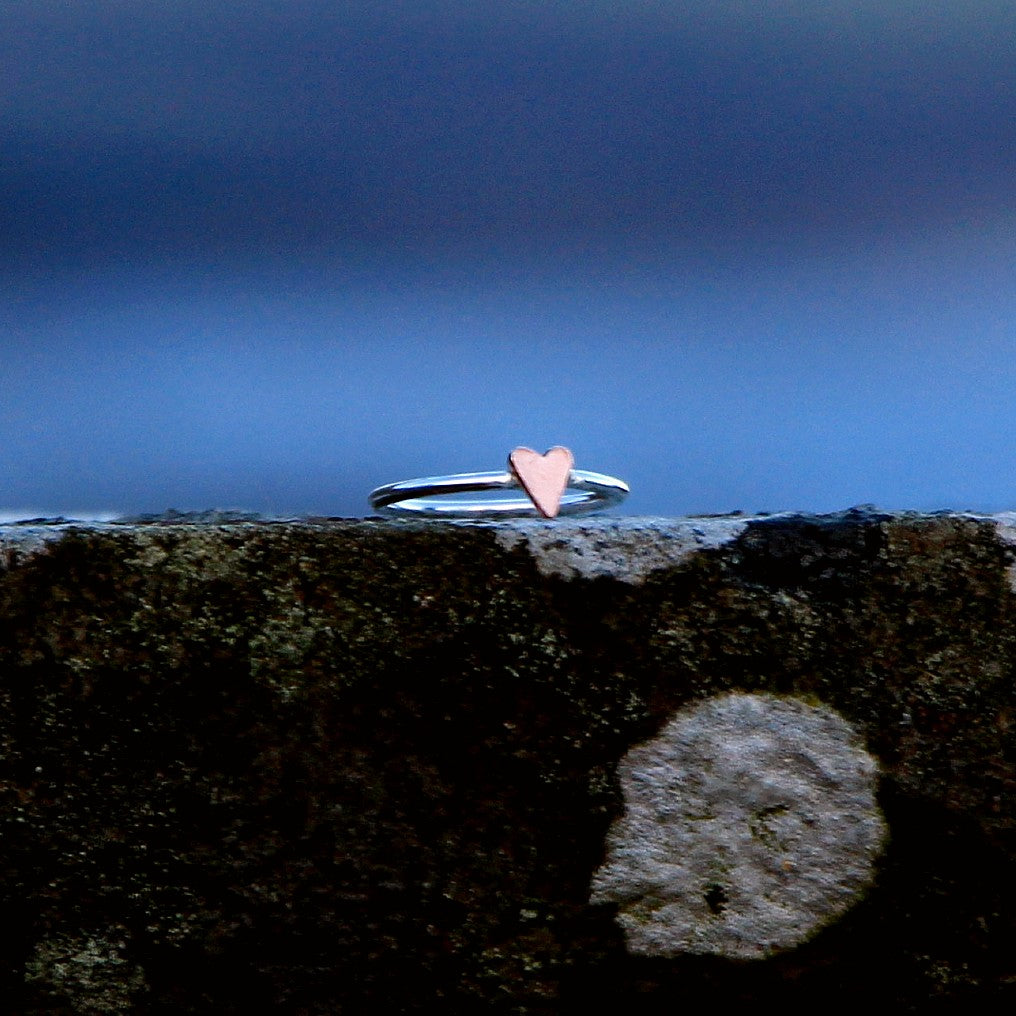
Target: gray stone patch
750, 823
1005, 529
23, 539
1005, 526
625, 549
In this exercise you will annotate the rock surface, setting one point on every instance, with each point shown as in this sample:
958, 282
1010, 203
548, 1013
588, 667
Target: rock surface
329, 766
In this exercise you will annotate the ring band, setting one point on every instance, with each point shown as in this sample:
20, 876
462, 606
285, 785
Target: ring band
428, 496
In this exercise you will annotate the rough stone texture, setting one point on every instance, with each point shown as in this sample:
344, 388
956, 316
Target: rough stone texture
750, 822
1005, 523
358, 766
628, 550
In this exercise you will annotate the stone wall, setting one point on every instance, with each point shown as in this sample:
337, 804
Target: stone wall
341, 766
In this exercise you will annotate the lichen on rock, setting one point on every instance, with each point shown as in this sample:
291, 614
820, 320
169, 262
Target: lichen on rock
90, 972
750, 822
355, 766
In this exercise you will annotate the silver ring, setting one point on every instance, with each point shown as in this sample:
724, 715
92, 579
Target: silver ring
548, 488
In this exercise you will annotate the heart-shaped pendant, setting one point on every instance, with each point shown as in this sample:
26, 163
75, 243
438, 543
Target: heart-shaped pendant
543, 477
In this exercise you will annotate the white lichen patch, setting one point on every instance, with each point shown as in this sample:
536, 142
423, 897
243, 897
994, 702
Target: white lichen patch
626, 549
750, 823
91, 972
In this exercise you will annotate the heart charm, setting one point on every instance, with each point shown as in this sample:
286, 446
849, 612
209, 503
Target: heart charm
543, 477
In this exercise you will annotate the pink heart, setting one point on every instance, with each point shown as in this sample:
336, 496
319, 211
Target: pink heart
543, 477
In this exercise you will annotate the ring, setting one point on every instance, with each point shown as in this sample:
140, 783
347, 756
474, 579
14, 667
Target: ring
550, 486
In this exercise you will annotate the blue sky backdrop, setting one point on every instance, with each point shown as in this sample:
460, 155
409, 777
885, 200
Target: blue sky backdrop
270, 255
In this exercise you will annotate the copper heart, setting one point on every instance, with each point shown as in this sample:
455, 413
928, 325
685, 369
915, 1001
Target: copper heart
543, 477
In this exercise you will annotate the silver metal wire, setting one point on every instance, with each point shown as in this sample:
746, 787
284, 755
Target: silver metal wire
434, 496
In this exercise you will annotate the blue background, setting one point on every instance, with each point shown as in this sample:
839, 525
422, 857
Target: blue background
753, 256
